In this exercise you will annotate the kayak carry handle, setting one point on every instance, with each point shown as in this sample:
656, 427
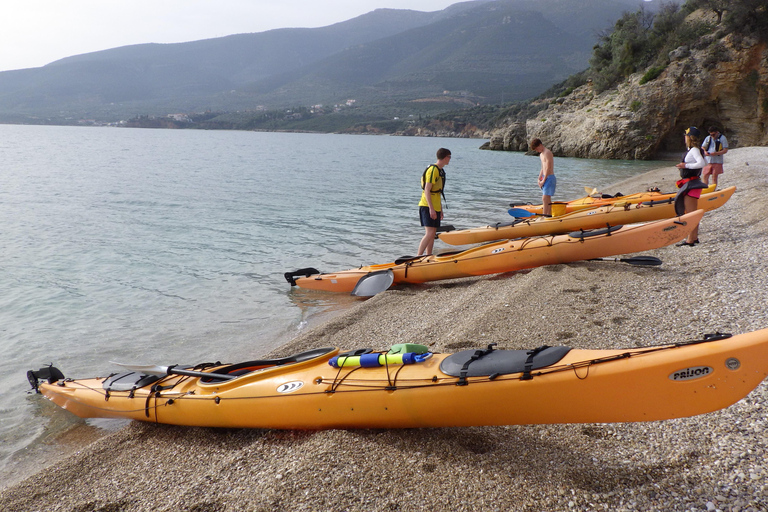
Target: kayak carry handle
49, 373
302, 272
443, 229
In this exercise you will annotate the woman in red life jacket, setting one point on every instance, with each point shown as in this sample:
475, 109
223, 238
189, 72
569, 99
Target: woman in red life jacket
690, 184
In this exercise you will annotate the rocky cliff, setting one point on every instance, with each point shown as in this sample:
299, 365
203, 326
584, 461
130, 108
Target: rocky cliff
720, 81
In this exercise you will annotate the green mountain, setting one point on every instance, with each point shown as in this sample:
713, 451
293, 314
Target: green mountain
472, 52
479, 55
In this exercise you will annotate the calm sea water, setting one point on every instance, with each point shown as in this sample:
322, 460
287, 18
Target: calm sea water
165, 247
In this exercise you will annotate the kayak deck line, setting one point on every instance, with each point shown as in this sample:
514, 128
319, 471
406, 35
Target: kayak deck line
161, 390
593, 217
450, 380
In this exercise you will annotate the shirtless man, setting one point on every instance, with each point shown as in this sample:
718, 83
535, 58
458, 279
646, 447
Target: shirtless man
547, 180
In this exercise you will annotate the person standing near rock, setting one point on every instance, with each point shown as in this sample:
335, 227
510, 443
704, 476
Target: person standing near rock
690, 184
430, 207
715, 145
547, 179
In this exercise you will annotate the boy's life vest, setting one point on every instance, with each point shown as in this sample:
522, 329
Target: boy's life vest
708, 141
442, 178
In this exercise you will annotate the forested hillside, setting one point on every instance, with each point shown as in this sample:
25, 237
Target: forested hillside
391, 63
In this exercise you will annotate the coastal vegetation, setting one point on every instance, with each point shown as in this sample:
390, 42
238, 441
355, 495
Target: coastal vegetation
642, 41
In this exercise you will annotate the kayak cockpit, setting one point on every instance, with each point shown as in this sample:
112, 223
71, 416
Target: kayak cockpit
239, 369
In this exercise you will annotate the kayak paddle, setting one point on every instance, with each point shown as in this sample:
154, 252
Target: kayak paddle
635, 260
373, 282
150, 369
520, 212
592, 192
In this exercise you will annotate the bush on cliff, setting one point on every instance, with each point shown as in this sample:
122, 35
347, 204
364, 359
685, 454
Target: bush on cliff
641, 39
748, 16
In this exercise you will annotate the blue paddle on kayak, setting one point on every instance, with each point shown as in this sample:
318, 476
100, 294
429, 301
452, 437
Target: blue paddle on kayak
520, 213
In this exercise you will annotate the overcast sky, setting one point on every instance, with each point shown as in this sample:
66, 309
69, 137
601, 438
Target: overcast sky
36, 32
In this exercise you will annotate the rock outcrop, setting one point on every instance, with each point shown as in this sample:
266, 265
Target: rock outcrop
513, 137
720, 82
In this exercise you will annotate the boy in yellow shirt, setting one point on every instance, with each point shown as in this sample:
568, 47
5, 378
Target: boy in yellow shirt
430, 206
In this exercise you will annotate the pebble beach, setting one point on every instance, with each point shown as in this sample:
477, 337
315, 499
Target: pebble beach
716, 461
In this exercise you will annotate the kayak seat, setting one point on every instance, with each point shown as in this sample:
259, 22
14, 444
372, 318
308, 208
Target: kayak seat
252, 366
501, 362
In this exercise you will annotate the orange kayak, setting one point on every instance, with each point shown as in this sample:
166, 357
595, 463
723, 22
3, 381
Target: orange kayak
545, 385
510, 255
618, 213
593, 201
